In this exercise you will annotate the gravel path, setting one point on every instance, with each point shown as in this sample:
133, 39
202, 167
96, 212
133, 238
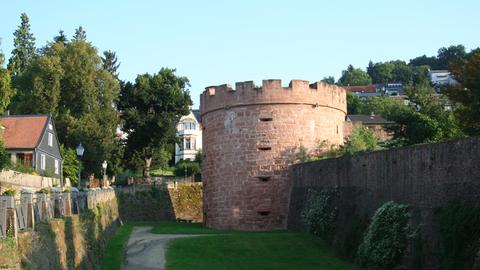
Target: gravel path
146, 251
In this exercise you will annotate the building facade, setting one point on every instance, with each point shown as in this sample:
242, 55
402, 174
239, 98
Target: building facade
189, 132
32, 142
251, 137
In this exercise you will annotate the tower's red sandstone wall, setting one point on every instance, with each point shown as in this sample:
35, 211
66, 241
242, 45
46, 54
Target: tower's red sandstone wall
251, 135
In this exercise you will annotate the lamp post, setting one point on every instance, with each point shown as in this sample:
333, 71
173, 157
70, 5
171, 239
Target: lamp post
80, 151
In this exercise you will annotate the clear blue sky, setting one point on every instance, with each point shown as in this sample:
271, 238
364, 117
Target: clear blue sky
216, 42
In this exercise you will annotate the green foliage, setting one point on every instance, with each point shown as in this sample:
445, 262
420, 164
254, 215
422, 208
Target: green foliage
138, 206
20, 167
4, 156
199, 158
387, 237
113, 258
397, 72
70, 164
466, 94
6, 91
186, 168
329, 80
354, 76
319, 214
44, 191
460, 234
151, 108
9, 192
110, 63
361, 140
24, 47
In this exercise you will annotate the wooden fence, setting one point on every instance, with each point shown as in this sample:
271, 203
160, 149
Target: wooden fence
31, 208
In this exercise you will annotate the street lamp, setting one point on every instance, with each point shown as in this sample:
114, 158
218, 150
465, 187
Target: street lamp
80, 151
104, 166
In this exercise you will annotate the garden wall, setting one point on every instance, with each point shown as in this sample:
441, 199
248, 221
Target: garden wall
15, 180
425, 177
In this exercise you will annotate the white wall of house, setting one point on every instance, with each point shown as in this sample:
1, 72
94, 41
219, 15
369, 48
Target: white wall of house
189, 132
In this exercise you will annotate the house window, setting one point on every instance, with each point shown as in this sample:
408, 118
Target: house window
188, 143
57, 167
42, 161
50, 139
189, 125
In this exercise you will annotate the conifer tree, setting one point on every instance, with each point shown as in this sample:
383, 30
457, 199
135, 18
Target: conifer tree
24, 47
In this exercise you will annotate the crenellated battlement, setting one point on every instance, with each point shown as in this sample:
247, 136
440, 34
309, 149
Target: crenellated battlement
272, 92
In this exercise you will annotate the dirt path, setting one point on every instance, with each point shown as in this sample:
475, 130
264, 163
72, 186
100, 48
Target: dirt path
146, 251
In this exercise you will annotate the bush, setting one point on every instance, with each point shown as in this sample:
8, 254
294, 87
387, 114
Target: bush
4, 157
319, 213
460, 234
9, 192
361, 140
386, 238
44, 191
187, 168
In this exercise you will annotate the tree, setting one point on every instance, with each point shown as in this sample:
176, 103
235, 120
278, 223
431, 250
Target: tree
61, 38
24, 47
4, 156
6, 91
430, 61
380, 72
70, 164
466, 94
354, 76
361, 140
329, 80
38, 87
80, 34
109, 63
151, 107
450, 55
186, 168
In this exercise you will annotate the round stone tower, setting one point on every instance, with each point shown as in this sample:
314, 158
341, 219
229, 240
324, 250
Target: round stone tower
251, 135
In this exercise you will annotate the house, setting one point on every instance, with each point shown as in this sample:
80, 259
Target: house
32, 141
441, 78
189, 132
364, 91
375, 123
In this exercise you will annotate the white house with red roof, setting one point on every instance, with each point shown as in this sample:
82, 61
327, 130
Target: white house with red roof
32, 141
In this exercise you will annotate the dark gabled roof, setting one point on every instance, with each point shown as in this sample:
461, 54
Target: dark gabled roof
368, 119
197, 115
23, 131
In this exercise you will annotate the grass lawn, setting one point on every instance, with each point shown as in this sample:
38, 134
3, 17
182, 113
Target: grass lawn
275, 251
114, 254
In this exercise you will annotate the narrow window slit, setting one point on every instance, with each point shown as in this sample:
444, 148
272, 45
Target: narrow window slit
263, 178
264, 148
266, 119
263, 213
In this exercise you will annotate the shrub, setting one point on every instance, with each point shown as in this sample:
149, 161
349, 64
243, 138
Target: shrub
386, 238
9, 192
460, 234
44, 191
319, 213
188, 167
4, 156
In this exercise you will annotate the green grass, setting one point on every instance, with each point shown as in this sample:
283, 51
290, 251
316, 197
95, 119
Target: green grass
259, 251
181, 228
114, 254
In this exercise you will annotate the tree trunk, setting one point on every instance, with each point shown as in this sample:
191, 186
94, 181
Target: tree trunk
146, 168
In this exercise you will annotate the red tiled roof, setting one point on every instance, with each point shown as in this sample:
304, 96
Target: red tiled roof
23, 131
363, 89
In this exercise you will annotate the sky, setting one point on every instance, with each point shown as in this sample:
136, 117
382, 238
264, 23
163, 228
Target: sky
217, 42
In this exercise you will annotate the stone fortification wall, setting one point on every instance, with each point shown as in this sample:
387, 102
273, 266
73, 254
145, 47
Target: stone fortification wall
425, 177
251, 136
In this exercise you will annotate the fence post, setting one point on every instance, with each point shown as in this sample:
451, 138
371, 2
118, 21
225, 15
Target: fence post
27, 205
11, 216
67, 203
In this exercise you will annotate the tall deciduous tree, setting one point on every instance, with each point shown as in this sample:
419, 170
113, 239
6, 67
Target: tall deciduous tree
6, 91
24, 47
354, 76
450, 55
467, 92
151, 107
